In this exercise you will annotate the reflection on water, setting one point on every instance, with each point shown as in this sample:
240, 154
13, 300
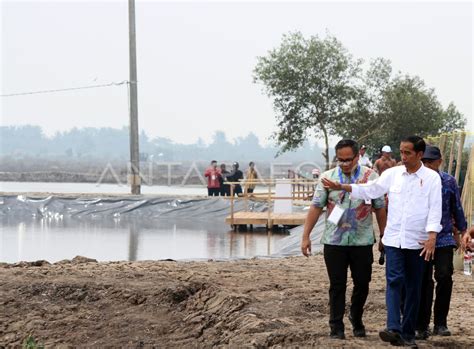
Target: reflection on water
125, 239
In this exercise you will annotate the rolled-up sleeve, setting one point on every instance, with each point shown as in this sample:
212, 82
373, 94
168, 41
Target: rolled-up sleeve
433, 223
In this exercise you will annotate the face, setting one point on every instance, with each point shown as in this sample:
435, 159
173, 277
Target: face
346, 159
362, 152
410, 158
432, 164
214, 164
223, 167
385, 154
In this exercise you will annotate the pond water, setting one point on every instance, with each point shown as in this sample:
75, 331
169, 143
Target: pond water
113, 240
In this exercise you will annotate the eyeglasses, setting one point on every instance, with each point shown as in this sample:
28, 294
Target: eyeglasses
344, 161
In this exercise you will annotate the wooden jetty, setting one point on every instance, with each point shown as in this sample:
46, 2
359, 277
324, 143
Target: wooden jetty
301, 193
263, 218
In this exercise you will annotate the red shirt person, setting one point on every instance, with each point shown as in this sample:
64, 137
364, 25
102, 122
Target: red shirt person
213, 175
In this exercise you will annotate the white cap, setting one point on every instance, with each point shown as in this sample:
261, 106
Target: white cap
315, 171
387, 149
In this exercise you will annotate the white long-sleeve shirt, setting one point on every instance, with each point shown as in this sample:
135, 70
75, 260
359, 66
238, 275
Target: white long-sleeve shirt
414, 204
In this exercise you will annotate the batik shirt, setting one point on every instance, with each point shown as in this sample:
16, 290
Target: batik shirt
452, 210
355, 226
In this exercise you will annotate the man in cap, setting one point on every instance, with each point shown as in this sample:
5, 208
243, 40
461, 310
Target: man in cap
446, 241
386, 161
363, 158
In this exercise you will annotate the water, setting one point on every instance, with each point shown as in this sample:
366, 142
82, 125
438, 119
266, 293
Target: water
26, 235
114, 240
87, 188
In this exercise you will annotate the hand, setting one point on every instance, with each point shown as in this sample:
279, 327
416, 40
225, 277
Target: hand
381, 246
327, 183
306, 246
429, 247
465, 241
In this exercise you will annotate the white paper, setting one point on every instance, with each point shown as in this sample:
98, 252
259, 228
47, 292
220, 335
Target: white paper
336, 214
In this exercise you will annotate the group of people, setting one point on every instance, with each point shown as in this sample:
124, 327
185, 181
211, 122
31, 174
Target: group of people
421, 222
218, 177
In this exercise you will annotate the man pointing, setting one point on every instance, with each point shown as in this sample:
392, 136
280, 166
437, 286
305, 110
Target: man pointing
414, 216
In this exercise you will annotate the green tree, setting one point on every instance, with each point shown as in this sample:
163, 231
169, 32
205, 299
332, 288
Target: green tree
385, 110
311, 82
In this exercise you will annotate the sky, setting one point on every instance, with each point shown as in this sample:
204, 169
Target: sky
195, 59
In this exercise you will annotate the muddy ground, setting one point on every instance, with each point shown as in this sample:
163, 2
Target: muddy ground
167, 304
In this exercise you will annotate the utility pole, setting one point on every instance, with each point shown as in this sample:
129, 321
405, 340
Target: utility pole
134, 152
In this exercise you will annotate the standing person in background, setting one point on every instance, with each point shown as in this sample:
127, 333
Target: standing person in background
363, 158
348, 238
235, 176
446, 241
213, 184
225, 188
251, 176
386, 161
414, 217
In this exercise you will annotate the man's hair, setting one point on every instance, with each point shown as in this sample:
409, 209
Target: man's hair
213, 162
344, 143
251, 163
418, 143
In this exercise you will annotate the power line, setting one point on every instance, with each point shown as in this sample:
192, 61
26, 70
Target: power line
66, 89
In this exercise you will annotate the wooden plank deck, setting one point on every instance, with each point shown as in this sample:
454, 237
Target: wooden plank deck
261, 218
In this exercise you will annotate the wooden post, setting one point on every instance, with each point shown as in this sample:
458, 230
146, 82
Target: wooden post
459, 157
451, 153
269, 218
232, 205
442, 143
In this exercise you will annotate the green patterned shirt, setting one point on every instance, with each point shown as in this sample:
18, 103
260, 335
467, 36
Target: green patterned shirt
355, 226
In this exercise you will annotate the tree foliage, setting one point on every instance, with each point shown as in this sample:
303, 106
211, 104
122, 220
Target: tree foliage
310, 82
318, 88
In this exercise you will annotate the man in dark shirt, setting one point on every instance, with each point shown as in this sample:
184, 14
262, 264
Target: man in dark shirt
235, 176
446, 241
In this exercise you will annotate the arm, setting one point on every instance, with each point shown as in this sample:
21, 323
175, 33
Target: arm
371, 190
207, 173
311, 219
433, 226
381, 216
457, 213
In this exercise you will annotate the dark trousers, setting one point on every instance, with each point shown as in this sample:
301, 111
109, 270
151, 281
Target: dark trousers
225, 190
443, 271
403, 273
213, 191
338, 258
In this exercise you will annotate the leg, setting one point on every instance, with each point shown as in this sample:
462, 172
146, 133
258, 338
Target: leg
361, 259
414, 265
337, 261
395, 276
443, 265
426, 300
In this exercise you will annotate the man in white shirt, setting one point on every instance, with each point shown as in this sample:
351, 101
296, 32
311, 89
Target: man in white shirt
414, 217
363, 158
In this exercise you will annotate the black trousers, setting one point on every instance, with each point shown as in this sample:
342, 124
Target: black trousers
338, 258
443, 271
213, 191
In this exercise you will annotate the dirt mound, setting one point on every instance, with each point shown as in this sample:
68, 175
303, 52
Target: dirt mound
251, 303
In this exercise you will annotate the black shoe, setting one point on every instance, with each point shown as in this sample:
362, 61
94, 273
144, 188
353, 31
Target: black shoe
391, 337
408, 343
422, 334
337, 334
358, 328
441, 331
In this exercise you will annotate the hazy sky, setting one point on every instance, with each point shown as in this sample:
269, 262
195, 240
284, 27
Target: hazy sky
195, 59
